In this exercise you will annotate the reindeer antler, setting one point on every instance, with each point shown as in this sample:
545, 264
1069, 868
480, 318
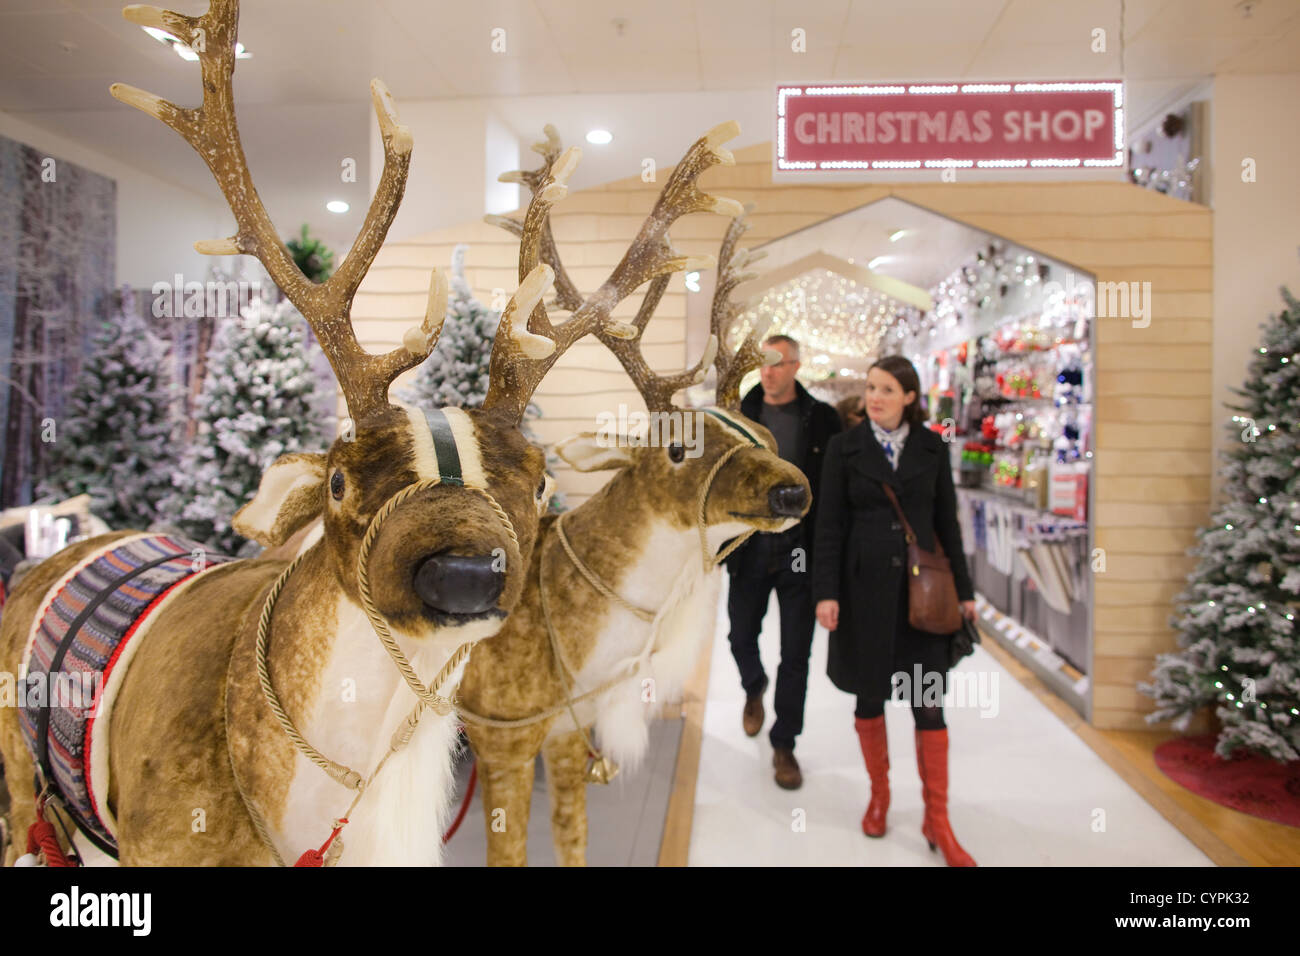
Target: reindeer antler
213, 132
650, 258
731, 366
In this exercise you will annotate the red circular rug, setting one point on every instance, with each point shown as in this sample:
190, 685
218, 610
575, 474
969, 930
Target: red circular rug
1248, 782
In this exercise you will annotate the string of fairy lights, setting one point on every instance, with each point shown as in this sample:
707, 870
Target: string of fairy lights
843, 325
837, 322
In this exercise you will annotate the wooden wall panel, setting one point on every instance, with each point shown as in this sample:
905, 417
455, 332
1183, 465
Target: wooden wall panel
1153, 435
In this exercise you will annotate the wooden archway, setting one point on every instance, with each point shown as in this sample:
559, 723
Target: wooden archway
1153, 394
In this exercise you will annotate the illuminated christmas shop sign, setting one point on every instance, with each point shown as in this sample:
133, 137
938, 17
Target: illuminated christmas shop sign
968, 125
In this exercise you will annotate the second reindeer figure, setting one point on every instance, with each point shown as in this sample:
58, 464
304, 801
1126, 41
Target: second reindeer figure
622, 590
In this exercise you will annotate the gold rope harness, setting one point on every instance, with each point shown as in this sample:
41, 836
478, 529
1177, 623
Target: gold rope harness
431, 698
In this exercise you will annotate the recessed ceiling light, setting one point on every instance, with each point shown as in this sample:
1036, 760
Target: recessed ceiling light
877, 261
600, 137
897, 234
337, 205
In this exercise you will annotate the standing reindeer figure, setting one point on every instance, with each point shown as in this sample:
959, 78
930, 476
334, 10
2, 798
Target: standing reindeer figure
204, 750
621, 591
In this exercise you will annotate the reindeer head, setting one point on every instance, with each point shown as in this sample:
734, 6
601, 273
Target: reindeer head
693, 464
428, 518
705, 468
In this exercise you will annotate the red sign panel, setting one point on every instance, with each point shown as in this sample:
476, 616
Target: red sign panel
972, 125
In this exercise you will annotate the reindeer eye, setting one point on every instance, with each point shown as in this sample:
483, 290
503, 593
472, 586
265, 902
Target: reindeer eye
336, 485
541, 487
676, 453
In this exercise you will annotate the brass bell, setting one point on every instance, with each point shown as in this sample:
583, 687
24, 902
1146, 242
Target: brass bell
601, 770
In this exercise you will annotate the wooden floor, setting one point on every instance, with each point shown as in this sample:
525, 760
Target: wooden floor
1227, 837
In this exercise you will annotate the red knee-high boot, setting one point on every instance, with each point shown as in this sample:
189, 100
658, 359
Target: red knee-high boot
932, 762
875, 751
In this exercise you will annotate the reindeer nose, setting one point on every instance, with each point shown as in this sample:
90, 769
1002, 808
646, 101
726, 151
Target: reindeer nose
788, 500
459, 584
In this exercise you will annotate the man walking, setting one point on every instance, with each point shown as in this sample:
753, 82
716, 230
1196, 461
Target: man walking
802, 427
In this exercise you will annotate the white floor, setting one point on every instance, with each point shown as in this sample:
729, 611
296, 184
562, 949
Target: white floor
1023, 791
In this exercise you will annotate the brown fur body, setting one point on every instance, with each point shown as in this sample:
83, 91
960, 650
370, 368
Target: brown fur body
516, 674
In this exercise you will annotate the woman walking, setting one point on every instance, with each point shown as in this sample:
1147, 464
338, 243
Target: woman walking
861, 590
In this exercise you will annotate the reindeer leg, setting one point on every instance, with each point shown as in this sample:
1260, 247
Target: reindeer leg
565, 758
19, 772
507, 796
22, 810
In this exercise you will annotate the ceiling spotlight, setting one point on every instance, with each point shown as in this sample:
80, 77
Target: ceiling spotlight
897, 234
600, 137
337, 205
877, 261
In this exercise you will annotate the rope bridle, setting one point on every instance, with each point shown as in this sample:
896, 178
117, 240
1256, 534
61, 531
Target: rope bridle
426, 697
605, 768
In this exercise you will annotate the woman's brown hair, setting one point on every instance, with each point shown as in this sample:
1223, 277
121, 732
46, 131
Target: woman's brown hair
905, 373
852, 411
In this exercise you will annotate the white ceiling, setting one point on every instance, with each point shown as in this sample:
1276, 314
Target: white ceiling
303, 95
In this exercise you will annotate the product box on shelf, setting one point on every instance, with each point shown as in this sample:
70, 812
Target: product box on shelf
1068, 494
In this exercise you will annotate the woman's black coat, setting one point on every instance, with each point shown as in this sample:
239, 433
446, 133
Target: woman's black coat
860, 550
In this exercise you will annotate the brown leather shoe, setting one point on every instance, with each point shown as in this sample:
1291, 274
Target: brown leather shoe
752, 718
788, 776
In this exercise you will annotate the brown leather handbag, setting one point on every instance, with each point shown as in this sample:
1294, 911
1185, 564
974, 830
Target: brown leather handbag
932, 604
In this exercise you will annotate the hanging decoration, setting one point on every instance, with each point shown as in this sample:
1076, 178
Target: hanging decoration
1178, 181
837, 322
978, 286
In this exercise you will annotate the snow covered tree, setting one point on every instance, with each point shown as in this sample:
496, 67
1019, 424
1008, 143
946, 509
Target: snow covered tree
114, 442
1237, 617
260, 399
456, 373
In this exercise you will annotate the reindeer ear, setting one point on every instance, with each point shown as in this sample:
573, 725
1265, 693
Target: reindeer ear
592, 452
288, 497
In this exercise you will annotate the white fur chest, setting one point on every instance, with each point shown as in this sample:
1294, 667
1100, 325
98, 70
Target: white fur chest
659, 656
400, 819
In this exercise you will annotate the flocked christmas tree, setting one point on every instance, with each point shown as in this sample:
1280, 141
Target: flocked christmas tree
1237, 617
456, 373
260, 399
115, 441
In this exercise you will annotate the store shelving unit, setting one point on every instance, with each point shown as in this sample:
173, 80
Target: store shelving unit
1035, 653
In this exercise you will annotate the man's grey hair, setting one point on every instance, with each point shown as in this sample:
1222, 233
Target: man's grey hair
793, 344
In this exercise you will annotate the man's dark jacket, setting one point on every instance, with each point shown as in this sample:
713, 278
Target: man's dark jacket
817, 423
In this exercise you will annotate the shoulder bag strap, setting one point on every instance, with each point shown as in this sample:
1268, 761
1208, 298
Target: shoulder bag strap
893, 500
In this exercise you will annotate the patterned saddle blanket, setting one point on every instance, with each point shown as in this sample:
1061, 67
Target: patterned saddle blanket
77, 657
